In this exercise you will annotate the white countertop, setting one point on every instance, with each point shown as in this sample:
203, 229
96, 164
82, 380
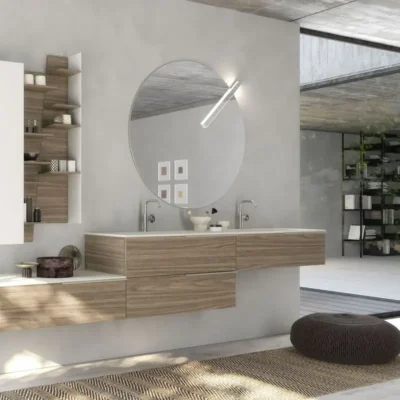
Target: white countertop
207, 233
80, 276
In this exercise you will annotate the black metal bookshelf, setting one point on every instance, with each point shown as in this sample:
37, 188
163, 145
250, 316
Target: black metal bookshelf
377, 156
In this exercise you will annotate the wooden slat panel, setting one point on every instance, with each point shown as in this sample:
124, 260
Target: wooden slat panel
179, 255
31, 307
55, 62
177, 294
61, 94
55, 147
105, 254
280, 250
28, 232
52, 198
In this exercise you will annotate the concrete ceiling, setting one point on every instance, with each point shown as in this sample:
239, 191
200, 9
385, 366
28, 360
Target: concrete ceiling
371, 20
368, 101
177, 86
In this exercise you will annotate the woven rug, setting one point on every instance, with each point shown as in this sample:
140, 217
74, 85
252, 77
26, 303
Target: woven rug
270, 375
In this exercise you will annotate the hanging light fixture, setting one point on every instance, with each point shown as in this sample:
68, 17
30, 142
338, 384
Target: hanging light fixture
207, 121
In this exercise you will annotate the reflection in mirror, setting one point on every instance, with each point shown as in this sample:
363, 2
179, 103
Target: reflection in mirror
180, 162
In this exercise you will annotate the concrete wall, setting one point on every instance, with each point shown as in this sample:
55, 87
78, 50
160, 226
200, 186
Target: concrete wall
122, 41
323, 59
321, 180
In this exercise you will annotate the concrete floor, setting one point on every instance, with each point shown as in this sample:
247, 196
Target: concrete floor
370, 276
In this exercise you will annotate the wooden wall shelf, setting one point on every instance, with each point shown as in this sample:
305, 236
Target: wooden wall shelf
62, 107
38, 135
61, 126
39, 163
59, 173
64, 72
39, 88
58, 197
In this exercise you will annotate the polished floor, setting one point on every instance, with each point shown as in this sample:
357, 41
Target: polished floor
384, 391
370, 276
312, 301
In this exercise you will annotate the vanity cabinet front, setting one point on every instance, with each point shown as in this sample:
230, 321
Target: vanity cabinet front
280, 250
39, 306
160, 295
159, 256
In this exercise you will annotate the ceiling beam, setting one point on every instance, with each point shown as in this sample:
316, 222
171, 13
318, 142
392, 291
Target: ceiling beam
350, 40
360, 76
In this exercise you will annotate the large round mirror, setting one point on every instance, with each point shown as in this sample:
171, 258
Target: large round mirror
182, 161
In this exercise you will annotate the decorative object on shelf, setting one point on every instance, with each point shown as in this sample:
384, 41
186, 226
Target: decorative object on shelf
29, 79
216, 228
54, 165
37, 215
71, 166
35, 128
367, 202
388, 217
24, 211
355, 232
370, 234
164, 193
386, 247
200, 224
31, 156
164, 171
28, 128
29, 209
26, 268
350, 202
55, 267
181, 193
64, 119
74, 253
181, 170
62, 165
40, 80
225, 225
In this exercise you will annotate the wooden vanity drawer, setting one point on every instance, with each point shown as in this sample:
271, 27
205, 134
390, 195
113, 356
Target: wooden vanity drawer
280, 250
38, 306
159, 256
177, 294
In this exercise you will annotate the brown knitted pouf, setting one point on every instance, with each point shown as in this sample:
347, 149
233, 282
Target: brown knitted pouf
346, 339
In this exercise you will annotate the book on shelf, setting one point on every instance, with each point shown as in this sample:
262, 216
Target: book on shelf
356, 232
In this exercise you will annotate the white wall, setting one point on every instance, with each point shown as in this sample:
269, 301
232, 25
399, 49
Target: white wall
122, 41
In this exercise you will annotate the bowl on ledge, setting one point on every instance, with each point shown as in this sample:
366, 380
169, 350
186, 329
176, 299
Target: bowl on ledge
200, 224
31, 156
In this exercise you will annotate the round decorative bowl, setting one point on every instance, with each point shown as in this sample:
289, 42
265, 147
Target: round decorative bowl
200, 224
225, 225
55, 267
31, 156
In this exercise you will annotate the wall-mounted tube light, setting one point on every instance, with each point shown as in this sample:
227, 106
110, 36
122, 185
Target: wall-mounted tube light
207, 121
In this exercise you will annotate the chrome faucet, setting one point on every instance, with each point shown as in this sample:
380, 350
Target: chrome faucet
244, 217
149, 218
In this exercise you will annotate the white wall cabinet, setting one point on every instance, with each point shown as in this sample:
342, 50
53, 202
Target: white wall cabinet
12, 149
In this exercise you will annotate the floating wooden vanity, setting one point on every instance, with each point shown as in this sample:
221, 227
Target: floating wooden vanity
148, 274
174, 272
